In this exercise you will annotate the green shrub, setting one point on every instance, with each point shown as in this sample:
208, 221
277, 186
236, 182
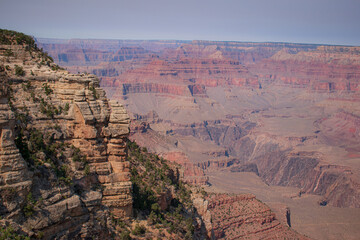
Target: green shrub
30, 205
93, 90
47, 89
138, 230
19, 71
87, 169
48, 109
77, 156
125, 235
151, 177
40, 235
155, 207
8, 53
56, 67
9, 233
26, 86
67, 107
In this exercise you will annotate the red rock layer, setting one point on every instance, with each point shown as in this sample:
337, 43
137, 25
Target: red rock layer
191, 173
94, 51
243, 216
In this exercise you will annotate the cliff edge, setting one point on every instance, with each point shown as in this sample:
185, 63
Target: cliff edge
63, 167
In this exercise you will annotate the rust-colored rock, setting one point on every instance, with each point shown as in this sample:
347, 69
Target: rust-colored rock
241, 216
191, 173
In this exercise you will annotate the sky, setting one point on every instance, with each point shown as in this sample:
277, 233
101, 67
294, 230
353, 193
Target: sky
300, 21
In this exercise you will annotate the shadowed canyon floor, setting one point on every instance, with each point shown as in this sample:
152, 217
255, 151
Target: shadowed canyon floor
287, 113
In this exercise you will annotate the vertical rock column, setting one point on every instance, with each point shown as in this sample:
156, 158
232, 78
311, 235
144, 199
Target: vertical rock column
117, 192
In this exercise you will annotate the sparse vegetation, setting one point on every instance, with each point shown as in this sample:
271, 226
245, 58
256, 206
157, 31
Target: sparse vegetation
47, 89
138, 230
9, 37
125, 235
19, 71
152, 177
93, 90
77, 156
26, 86
30, 205
38, 147
48, 108
87, 170
56, 67
8, 232
8, 53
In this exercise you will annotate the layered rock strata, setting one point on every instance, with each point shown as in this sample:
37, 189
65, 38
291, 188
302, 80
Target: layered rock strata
287, 112
72, 173
241, 217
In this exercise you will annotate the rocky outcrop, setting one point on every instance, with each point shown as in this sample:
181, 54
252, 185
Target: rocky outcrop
241, 216
63, 163
191, 173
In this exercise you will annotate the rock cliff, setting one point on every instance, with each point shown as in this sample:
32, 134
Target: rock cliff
63, 147
241, 216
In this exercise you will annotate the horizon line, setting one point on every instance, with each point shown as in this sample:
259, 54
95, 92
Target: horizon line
199, 40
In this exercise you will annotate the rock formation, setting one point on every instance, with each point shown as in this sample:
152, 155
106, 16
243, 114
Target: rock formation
241, 216
72, 173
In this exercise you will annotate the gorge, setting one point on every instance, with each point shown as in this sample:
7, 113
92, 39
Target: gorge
286, 114
69, 171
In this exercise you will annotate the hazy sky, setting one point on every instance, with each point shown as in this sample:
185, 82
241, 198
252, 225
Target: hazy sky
308, 21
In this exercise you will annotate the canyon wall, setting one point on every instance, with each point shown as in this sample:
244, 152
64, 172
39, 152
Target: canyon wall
220, 92
64, 170
241, 216
284, 112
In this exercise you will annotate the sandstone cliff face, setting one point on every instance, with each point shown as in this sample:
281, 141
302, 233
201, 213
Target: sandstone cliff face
72, 172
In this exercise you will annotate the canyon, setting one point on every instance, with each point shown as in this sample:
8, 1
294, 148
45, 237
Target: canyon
62, 142
281, 115
69, 171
